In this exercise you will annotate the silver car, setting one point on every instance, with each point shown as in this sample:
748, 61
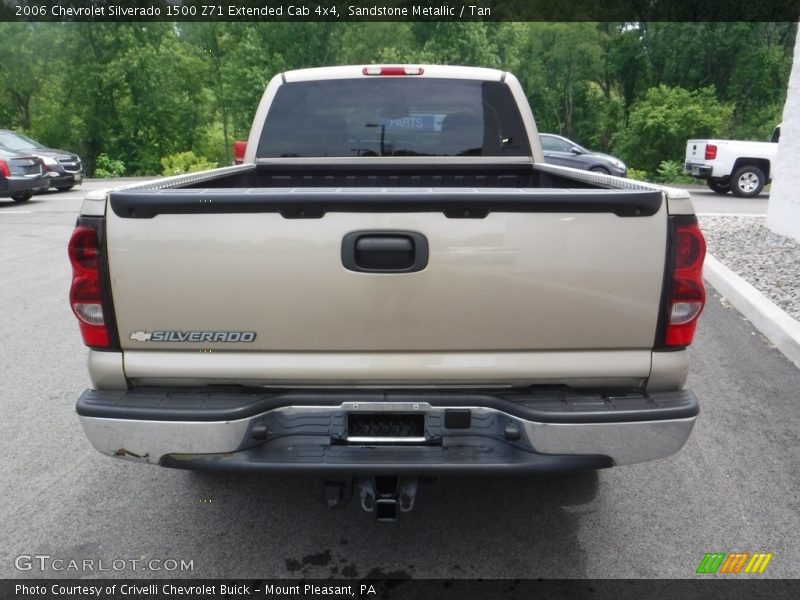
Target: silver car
564, 152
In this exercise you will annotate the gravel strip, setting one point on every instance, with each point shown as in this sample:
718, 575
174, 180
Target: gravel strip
767, 261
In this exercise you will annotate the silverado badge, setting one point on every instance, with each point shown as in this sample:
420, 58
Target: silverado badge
193, 336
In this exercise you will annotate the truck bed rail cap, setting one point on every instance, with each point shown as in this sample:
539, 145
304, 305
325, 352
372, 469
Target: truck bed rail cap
314, 203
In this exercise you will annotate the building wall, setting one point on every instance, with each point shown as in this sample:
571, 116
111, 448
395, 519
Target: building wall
783, 211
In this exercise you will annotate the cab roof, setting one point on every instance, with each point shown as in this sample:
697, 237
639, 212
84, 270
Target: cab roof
359, 71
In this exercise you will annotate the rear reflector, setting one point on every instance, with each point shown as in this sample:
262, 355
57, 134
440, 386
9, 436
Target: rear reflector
687, 295
377, 70
711, 152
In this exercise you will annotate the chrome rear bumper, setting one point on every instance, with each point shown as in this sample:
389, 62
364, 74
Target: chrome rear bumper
307, 430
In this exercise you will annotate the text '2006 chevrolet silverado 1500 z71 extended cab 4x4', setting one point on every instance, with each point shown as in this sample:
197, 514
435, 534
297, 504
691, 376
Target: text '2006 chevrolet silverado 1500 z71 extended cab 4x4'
392, 285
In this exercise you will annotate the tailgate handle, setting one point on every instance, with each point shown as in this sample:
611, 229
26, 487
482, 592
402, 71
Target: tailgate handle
385, 251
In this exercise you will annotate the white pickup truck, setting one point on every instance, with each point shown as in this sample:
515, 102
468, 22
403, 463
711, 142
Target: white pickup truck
740, 167
392, 285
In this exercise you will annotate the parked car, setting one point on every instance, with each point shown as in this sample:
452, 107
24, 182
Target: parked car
737, 166
64, 168
21, 176
562, 151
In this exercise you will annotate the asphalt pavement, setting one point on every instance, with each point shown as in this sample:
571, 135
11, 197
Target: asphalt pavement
710, 203
734, 487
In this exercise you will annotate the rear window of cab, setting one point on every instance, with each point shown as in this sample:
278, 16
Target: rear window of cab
393, 116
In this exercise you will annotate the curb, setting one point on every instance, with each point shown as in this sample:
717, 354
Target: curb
772, 321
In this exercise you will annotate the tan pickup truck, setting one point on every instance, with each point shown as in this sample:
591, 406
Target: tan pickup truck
392, 285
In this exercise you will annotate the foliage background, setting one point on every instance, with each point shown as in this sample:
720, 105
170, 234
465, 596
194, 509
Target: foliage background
140, 96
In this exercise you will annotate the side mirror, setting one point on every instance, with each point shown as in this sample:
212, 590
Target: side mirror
576, 150
239, 148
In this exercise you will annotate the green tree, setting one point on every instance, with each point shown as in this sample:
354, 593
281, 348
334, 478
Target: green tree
139, 92
455, 44
662, 121
747, 64
373, 43
125, 89
22, 73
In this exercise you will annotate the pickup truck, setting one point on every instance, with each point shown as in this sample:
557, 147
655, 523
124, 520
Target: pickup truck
740, 167
393, 285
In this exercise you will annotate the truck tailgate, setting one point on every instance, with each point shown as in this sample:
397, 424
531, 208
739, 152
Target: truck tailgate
506, 270
695, 151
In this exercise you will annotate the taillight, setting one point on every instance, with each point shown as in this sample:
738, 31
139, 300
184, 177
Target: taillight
239, 148
86, 293
4, 170
378, 70
711, 151
84, 249
686, 294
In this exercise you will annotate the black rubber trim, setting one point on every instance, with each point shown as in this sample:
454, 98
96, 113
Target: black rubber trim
468, 455
666, 286
549, 405
310, 204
